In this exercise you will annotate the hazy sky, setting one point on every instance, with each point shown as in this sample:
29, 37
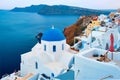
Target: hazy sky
94, 4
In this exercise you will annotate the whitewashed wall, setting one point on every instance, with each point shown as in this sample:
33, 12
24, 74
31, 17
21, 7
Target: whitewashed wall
91, 69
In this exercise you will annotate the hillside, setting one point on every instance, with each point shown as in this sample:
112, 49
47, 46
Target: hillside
76, 29
60, 10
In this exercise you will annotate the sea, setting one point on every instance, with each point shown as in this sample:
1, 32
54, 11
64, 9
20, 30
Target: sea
18, 31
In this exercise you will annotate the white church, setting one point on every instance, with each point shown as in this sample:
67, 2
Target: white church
51, 56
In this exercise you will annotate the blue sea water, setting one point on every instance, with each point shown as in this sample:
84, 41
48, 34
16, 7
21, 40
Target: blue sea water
18, 31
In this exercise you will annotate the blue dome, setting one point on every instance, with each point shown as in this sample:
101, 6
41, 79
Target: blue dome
53, 35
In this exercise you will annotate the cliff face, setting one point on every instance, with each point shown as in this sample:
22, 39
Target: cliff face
59, 10
76, 29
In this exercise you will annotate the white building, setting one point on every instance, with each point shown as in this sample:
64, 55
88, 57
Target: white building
102, 17
51, 56
87, 66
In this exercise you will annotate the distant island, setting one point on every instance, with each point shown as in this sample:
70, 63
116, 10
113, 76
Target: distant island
60, 10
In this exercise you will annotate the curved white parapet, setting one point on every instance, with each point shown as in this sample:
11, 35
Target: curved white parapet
87, 69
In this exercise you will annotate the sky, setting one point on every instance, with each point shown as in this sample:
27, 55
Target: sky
92, 4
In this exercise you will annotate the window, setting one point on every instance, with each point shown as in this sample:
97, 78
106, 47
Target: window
54, 48
36, 65
93, 39
44, 47
62, 46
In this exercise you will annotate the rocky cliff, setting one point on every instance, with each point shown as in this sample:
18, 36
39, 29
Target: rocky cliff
76, 29
59, 10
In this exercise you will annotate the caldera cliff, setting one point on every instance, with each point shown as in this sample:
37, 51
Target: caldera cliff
76, 29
